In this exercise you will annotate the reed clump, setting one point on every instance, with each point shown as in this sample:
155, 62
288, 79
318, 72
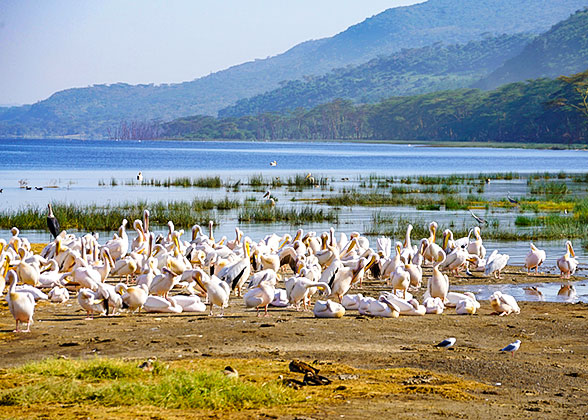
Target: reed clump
268, 214
109, 217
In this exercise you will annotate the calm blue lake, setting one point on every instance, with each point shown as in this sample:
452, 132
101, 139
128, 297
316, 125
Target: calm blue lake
77, 168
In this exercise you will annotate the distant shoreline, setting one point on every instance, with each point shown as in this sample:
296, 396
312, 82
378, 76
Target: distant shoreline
417, 143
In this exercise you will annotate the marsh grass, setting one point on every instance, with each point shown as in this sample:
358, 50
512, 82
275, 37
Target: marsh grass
116, 383
298, 181
266, 214
92, 217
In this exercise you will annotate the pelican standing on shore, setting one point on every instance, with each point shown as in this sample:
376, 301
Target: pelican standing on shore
20, 304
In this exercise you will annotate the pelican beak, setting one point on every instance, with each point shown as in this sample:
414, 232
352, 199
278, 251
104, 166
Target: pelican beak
283, 244
370, 263
248, 249
222, 241
572, 253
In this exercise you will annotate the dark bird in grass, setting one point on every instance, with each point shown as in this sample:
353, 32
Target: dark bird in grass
478, 218
52, 223
512, 200
445, 344
28, 188
39, 188
1, 190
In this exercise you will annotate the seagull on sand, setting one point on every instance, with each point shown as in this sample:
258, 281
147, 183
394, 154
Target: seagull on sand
447, 343
512, 347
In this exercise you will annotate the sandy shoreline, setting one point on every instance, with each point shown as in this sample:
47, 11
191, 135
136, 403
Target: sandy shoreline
547, 378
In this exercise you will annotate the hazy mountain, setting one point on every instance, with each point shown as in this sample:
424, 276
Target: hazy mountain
561, 50
93, 110
408, 72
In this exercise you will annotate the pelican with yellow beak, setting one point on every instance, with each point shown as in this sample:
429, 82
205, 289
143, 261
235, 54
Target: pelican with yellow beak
534, 259
567, 263
20, 304
237, 273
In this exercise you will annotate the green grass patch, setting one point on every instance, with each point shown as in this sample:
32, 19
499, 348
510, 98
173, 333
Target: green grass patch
108, 217
116, 383
268, 214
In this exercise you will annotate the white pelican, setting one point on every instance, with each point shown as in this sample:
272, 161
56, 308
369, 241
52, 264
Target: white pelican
382, 308
36, 293
50, 276
190, 303
438, 284
568, 263
495, 263
58, 294
504, 304
124, 267
269, 199
415, 272
328, 309
406, 307
4, 272
280, 298
161, 305
119, 244
133, 297
163, 283
27, 273
433, 305
91, 302
407, 249
297, 289
432, 251
453, 298
476, 247
351, 302
236, 274
467, 307
534, 259
400, 280
218, 291
21, 305
346, 277
261, 295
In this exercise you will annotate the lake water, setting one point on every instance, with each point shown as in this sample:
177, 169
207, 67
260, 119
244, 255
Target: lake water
77, 167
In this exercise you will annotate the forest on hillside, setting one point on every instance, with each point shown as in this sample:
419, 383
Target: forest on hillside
541, 110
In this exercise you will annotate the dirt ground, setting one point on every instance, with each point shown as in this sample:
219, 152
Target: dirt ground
546, 379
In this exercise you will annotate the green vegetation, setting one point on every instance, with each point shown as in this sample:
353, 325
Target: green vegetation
561, 50
91, 217
408, 72
294, 216
526, 111
115, 383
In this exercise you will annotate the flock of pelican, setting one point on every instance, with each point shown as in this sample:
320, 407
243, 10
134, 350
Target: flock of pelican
169, 274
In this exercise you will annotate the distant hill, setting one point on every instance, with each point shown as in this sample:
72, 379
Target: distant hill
561, 50
537, 111
94, 110
410, 71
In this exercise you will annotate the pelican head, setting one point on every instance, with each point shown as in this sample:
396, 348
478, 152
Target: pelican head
570, 249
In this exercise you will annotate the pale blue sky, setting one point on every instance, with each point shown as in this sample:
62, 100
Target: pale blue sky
50, 45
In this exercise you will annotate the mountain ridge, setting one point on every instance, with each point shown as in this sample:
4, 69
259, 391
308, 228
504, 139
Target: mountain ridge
92, 111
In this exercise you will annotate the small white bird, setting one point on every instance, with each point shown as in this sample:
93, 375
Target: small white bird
447, 343
512, 347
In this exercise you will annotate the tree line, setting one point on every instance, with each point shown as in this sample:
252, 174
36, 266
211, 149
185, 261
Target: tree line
541, 110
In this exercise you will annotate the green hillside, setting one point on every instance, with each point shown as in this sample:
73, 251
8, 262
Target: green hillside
541, 110
561, 50
410, 71
93, 111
